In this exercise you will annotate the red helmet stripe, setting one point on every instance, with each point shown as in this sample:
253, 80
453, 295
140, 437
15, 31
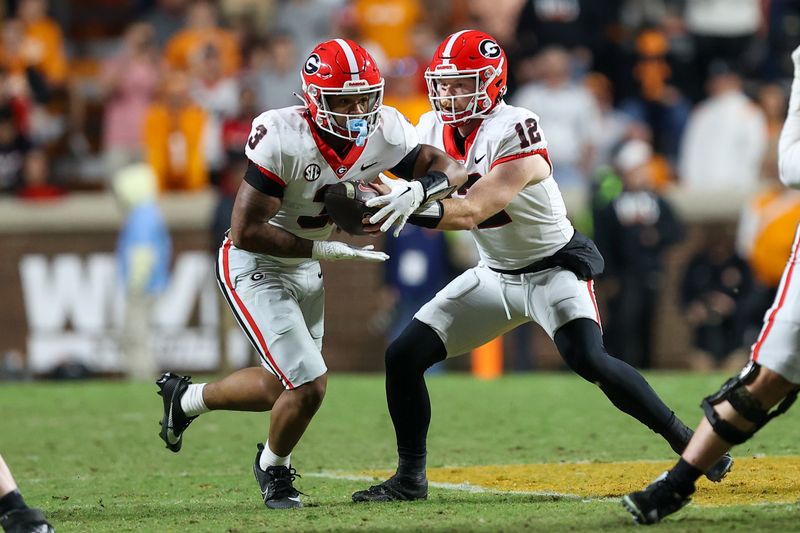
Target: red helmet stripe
351, 58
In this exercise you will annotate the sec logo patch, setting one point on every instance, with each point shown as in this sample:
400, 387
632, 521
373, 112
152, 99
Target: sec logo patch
312, 172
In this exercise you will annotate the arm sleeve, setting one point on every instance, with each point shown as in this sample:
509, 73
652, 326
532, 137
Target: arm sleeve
405, 168
521, 137
789, 142
264, 181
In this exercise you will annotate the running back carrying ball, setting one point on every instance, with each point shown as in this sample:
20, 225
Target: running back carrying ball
345, 204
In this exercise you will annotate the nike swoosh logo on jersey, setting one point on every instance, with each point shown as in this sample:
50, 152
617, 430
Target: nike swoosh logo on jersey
365, 167
479, 159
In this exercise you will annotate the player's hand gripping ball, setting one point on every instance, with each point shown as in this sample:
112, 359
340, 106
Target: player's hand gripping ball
345, 204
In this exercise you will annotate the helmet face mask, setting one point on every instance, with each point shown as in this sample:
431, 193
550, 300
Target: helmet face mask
467, 54
341, 68
448, 107
335, 122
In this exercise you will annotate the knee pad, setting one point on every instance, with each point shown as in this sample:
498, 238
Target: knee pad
416, 349
735, 392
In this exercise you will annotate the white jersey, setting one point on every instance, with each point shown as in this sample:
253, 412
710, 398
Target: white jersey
289, 151
534, 225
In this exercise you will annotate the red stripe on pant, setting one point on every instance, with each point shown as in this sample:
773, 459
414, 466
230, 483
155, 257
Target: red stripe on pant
590, 286
781, 299
226, 271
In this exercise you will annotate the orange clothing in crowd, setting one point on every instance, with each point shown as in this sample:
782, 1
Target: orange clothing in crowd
188, 42
412, 107
174, 147
774, 215
46, 33
388, 23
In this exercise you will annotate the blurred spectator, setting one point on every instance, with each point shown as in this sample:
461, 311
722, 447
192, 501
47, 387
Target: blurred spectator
613, 123
783, 34
15, 94
388, 24
144, 249
218, 95
652, 99
36, 183
129, 80
575, 25
44, 43
236, 129
723, 30
716, 282
21, 63
173, 137
569, 117
766, 230
498, 18
772, 100
14, 147
632, 232
725, 139
201, 32
274, 71
403, 91
167, 18
249, 15
308, 21
235, 132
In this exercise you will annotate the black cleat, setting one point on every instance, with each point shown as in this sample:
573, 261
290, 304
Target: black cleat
720, 469
658, 500
26, 520
394, 489
174, 422
276, 486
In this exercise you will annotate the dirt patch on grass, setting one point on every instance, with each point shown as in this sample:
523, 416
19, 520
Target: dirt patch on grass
752, 481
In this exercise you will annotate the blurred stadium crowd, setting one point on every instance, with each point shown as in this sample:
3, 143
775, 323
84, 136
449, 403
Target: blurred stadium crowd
638, 99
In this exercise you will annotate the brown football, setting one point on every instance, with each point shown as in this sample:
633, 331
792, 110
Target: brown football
345, 204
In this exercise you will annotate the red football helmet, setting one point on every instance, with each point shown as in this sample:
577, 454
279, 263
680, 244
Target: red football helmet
342, 67
467, 54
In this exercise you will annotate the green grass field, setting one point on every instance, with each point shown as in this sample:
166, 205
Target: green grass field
89, 454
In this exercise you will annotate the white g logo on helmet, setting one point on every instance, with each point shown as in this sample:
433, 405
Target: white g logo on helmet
489, 49
312, 64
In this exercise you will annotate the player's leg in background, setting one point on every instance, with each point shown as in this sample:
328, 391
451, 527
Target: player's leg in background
733, 415
706, 446
15, 515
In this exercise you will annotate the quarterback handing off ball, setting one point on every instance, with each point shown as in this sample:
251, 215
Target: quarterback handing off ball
345, 204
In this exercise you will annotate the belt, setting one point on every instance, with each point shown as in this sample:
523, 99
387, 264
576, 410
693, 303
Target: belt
536, 266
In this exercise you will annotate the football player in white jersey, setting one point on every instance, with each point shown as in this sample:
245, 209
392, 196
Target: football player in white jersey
268, 267
534, 265
772, 377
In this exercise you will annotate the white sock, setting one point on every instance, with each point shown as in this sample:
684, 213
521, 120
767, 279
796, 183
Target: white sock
192, 400
268, 458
